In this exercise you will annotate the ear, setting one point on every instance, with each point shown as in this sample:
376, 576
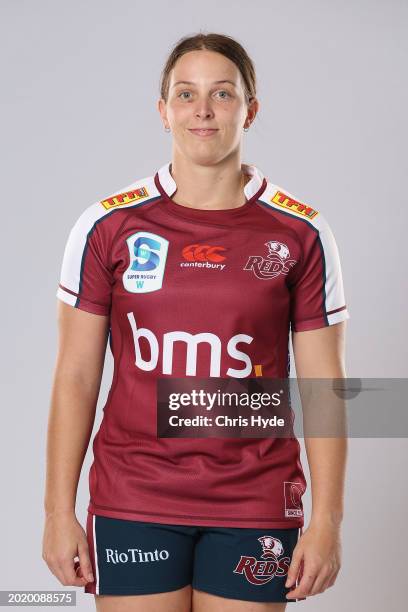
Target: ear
161, 107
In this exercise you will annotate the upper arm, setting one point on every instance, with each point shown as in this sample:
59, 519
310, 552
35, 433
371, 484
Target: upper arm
316, 287
318, 308
82, 340
86, 277
320, 353
84, 297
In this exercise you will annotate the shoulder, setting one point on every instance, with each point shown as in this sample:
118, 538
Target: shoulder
106, 210
301, 215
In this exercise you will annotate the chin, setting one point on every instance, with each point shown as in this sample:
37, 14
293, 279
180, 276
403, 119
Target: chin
204, 158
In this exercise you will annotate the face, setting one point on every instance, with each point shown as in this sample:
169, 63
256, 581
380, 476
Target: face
196, 100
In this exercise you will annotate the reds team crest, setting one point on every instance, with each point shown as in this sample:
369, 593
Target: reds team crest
271, 563
278, 261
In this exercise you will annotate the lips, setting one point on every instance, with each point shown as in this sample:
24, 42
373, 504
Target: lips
203, 131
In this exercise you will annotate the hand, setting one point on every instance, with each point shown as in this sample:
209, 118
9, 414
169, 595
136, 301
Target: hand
317, 555
65, 539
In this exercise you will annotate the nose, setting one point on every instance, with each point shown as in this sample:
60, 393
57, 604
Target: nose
203, 110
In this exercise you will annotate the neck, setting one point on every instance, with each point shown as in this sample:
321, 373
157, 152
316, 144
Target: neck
208, 187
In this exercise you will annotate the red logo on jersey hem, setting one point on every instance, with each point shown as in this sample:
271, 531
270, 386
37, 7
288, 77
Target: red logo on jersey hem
293, 492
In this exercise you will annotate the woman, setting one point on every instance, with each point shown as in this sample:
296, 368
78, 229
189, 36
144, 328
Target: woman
197, 270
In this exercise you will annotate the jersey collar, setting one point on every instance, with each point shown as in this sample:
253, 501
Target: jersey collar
168, 183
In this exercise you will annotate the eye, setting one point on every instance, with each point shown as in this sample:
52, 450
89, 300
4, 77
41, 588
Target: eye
224, 91
221, 91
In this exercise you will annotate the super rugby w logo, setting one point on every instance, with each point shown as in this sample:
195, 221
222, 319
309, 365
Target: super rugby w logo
277, 261
271, 564
147, 259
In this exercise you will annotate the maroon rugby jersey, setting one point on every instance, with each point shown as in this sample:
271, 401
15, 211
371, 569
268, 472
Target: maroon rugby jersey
200, 293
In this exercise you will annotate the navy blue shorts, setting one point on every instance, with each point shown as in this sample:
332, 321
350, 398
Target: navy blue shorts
135, 557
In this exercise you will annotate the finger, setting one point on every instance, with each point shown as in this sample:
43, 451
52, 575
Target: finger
69, 575
305, 584
78, 572
333, 578
85, 561
78, 569
330, 579
294, 568
319, 584
52, 566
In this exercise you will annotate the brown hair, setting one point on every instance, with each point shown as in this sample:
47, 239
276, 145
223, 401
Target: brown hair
221, 43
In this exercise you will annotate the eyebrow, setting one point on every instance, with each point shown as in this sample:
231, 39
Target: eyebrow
215, 82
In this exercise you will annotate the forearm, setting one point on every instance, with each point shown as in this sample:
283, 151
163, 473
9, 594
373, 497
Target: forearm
327, 465
70, 424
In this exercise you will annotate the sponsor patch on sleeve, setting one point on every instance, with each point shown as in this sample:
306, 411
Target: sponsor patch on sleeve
126, 197
285, 201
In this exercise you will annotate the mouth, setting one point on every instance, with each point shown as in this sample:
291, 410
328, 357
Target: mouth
203, 132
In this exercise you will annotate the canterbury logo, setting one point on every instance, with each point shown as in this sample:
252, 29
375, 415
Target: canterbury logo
203, 252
